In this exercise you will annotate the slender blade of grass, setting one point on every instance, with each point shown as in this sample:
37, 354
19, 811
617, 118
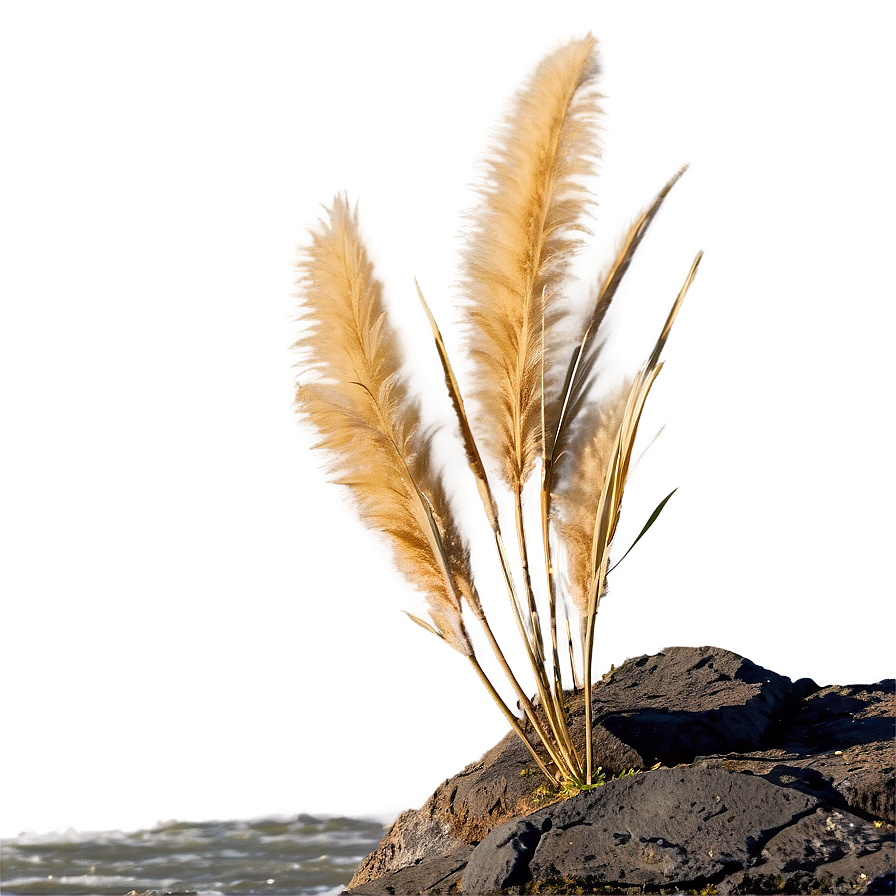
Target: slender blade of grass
651, 520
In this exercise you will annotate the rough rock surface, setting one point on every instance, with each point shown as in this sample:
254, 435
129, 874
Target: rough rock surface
839, 741
682, 829
766, 786
685, 702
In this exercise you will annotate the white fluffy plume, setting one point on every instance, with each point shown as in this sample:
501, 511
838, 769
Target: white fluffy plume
354, 394
534, 200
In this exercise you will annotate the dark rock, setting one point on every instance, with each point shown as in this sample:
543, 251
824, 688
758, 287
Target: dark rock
808, 770
673, 828
838, 745
457, 816
836, 850
687, 702
503, 858
838, 717
644, 712
803, 687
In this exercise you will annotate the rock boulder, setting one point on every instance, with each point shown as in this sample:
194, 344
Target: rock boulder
764, 785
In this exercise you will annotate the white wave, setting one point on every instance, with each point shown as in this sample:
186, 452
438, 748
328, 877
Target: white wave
288, 838
234, 854
67, 835
182, 858
22, 882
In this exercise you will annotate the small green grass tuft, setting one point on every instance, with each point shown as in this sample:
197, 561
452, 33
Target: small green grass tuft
544, 795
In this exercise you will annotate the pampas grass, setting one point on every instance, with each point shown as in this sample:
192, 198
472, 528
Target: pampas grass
581, 477
531, 405
518, 253
370, 427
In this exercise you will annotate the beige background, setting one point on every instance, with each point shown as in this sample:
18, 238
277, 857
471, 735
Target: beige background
193, 625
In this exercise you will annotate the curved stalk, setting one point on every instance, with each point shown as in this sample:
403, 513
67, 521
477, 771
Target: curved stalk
474, 461
560, 708
607, 515
555, 717
514, 722
546, 478
525, 702
477, 467
479, 613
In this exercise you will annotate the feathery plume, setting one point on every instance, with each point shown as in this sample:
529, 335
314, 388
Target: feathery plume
582, 474
533, 397
520, 247
357, 400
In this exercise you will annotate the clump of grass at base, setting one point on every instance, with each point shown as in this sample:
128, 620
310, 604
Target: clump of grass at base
544, 795
536, 424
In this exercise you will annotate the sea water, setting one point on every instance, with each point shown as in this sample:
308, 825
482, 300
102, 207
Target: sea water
301, 855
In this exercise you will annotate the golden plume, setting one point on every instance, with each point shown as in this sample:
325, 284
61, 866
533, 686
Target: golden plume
583, 475
356, 398
519, 249
532, 390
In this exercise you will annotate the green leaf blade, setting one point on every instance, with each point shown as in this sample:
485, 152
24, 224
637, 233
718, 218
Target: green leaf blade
651, 520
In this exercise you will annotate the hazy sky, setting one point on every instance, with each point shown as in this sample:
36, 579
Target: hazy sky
193, 624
